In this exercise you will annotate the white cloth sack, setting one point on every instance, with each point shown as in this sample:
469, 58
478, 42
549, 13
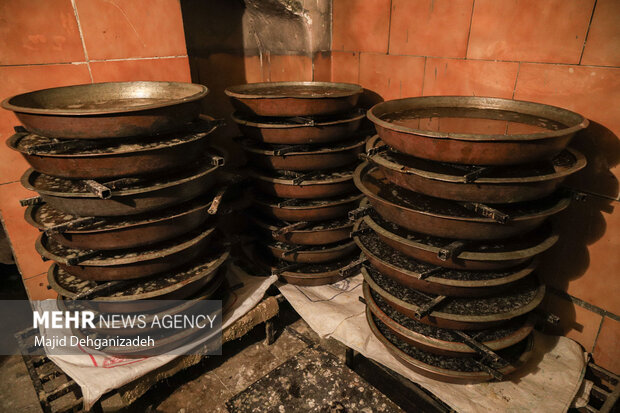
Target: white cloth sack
547, 383
97, 373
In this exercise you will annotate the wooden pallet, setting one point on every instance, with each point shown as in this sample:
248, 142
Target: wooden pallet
58, 393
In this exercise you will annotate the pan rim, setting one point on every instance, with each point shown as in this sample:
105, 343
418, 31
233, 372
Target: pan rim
560, 205
200, 92
479, 102
237, 91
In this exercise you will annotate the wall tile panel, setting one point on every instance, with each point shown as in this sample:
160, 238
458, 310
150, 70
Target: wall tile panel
345, 67
39, 31
430, 27
392, 77
290, 68
529, 30
603, 43
170, 69
139, 28
360, 25
469, 77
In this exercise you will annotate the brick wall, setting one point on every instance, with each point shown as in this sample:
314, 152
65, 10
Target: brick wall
47, 43
560, 52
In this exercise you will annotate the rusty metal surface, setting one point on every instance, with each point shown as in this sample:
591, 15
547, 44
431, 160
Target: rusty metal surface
427, 178
445, 375
422, 218
312, 211
108, 110
126, 160
307, 235
174, 286
207, 290
303, 188
305, 159
436, 284
514, 252
298, 131
141, 230
455, 321
311, 255
437, 345
109, 266
129, 201
549, 129
294, 98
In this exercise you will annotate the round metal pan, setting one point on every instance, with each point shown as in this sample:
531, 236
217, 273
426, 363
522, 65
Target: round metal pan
119, 159
307, 275
443, 218
306, 210
189, 304
108, 110
179, 284
110, 266
309, 159
318, 233
475, 130
520, 352
294, 98
500, 185
157, 194
312, 255
442, 341
524, 297
477, 256
296, 131
126, 233
325, 185
408, 272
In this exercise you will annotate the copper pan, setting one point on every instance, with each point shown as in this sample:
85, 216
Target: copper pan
311, 255
326, 185
125, 233
148, 196
303, 159
307, 210
318, 233
395, 346
528, 291
108, 110
294, 98
307, 275
475, 130
442, 218
169, 308
477, 256
179, 284
408, 272
296, 131
116, 159
499, 185
441, 341
109, 266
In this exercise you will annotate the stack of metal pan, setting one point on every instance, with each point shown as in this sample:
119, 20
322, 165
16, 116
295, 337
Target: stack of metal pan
458, 191
127, 181
302, 146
